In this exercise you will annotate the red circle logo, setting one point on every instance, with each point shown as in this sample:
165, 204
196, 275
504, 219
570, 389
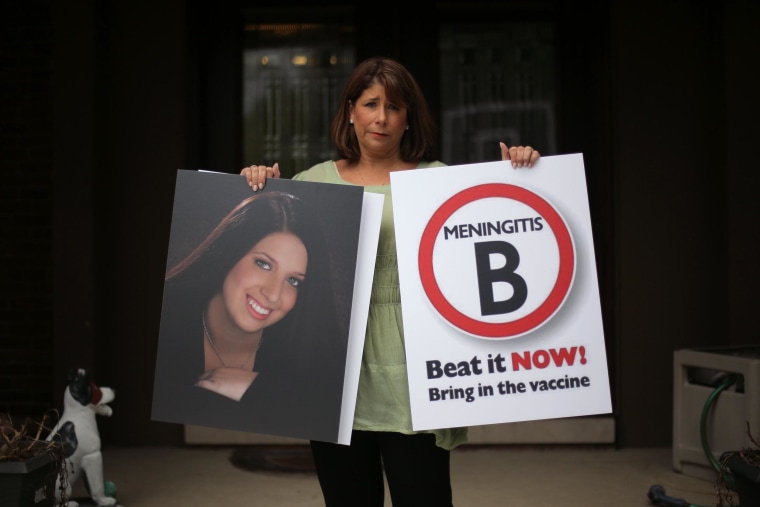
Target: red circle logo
560, 269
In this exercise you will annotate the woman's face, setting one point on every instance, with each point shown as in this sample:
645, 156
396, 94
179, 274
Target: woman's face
379, 124
263, 286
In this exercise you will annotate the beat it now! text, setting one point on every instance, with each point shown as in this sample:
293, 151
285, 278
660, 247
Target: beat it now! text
499, 364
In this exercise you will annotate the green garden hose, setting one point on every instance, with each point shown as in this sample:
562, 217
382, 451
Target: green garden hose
657, 493
729, 380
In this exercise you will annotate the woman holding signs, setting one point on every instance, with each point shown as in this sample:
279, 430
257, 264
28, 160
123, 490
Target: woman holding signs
383, 125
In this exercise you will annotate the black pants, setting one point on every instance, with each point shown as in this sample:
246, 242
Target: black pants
417, 470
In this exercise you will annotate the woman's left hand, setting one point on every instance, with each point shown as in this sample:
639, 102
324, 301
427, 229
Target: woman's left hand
520, 156
229, 382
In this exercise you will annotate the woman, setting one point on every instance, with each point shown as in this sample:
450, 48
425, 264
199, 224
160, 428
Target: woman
249, 329
383, 125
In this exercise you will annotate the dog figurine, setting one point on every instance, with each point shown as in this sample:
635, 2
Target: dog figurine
77, 432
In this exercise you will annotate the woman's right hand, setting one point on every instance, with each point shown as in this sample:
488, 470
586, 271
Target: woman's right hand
256, 175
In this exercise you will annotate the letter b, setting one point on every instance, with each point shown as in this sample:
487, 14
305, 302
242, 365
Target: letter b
487, 277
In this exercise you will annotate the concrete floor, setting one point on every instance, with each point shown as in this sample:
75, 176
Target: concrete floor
483, 476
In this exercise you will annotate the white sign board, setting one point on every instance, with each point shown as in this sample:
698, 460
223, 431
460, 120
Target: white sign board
502, 319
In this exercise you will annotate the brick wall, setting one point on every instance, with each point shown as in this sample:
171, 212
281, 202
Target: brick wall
26, 288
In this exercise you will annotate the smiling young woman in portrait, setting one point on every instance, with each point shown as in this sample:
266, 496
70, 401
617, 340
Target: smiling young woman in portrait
249, 334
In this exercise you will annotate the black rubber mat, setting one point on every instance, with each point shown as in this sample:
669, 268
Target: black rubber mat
274, 458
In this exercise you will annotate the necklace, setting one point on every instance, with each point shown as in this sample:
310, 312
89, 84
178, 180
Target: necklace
386, 179
213, 345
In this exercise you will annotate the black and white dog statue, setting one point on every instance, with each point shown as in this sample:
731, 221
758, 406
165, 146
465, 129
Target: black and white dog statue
77, 431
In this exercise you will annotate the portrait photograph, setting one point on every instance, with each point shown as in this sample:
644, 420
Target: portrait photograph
256, 308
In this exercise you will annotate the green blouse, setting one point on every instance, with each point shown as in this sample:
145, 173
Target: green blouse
382, 402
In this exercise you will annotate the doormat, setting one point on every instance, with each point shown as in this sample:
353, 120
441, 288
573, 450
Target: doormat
274, 458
